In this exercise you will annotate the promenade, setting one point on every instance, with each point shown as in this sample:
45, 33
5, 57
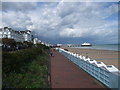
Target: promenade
65, 74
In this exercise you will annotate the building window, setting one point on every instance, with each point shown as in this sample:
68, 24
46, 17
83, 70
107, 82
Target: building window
8, 32
8, 36
5, 32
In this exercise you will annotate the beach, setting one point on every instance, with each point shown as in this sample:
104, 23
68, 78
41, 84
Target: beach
109, 57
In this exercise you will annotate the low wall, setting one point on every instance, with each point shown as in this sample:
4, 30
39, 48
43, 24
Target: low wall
109, 75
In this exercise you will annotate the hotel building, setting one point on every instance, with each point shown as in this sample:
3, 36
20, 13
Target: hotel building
18, 36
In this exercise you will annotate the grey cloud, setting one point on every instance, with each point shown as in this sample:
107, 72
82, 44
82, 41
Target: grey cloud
18, 6
17, 20
65, 9
62, 20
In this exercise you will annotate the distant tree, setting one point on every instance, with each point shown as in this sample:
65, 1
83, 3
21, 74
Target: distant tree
19, 45
10, 42
28, 44
0, 40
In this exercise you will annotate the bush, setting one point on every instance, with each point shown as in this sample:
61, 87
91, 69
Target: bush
15, 61
26, 68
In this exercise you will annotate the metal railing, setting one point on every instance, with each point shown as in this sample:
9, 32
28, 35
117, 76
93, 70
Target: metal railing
109, 75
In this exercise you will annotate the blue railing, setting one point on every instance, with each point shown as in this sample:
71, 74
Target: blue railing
108, 75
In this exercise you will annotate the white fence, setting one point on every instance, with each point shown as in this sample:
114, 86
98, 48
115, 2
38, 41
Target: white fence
109, 75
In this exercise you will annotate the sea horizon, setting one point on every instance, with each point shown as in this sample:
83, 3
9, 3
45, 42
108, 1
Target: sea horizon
113, 47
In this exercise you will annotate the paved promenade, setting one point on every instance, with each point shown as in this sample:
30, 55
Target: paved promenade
65, 74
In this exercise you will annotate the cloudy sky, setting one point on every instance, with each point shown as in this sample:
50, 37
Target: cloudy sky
64, 22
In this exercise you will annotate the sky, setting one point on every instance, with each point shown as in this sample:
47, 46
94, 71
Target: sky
64, 22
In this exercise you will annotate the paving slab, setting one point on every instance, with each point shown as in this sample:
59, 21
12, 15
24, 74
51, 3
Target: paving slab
65, 74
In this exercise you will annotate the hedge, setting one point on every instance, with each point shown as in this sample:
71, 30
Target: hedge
16, 61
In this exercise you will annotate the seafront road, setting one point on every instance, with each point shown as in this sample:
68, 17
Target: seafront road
65, 74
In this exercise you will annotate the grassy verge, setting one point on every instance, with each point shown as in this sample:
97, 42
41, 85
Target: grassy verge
26, 69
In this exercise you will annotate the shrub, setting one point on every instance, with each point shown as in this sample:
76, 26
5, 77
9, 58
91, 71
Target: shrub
26, 68
16, 61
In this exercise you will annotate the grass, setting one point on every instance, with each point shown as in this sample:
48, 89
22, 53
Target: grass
33, 74
35, 77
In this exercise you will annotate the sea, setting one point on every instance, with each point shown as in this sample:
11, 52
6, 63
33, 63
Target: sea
114, 47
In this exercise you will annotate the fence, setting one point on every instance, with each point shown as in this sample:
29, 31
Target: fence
109, 75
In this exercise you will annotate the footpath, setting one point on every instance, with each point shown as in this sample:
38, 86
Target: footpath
65, 74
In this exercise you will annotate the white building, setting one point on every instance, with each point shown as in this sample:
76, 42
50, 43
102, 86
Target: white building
27, 35
16, 35
59, 45
36, 41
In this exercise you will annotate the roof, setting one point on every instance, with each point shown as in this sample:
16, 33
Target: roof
19, 32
